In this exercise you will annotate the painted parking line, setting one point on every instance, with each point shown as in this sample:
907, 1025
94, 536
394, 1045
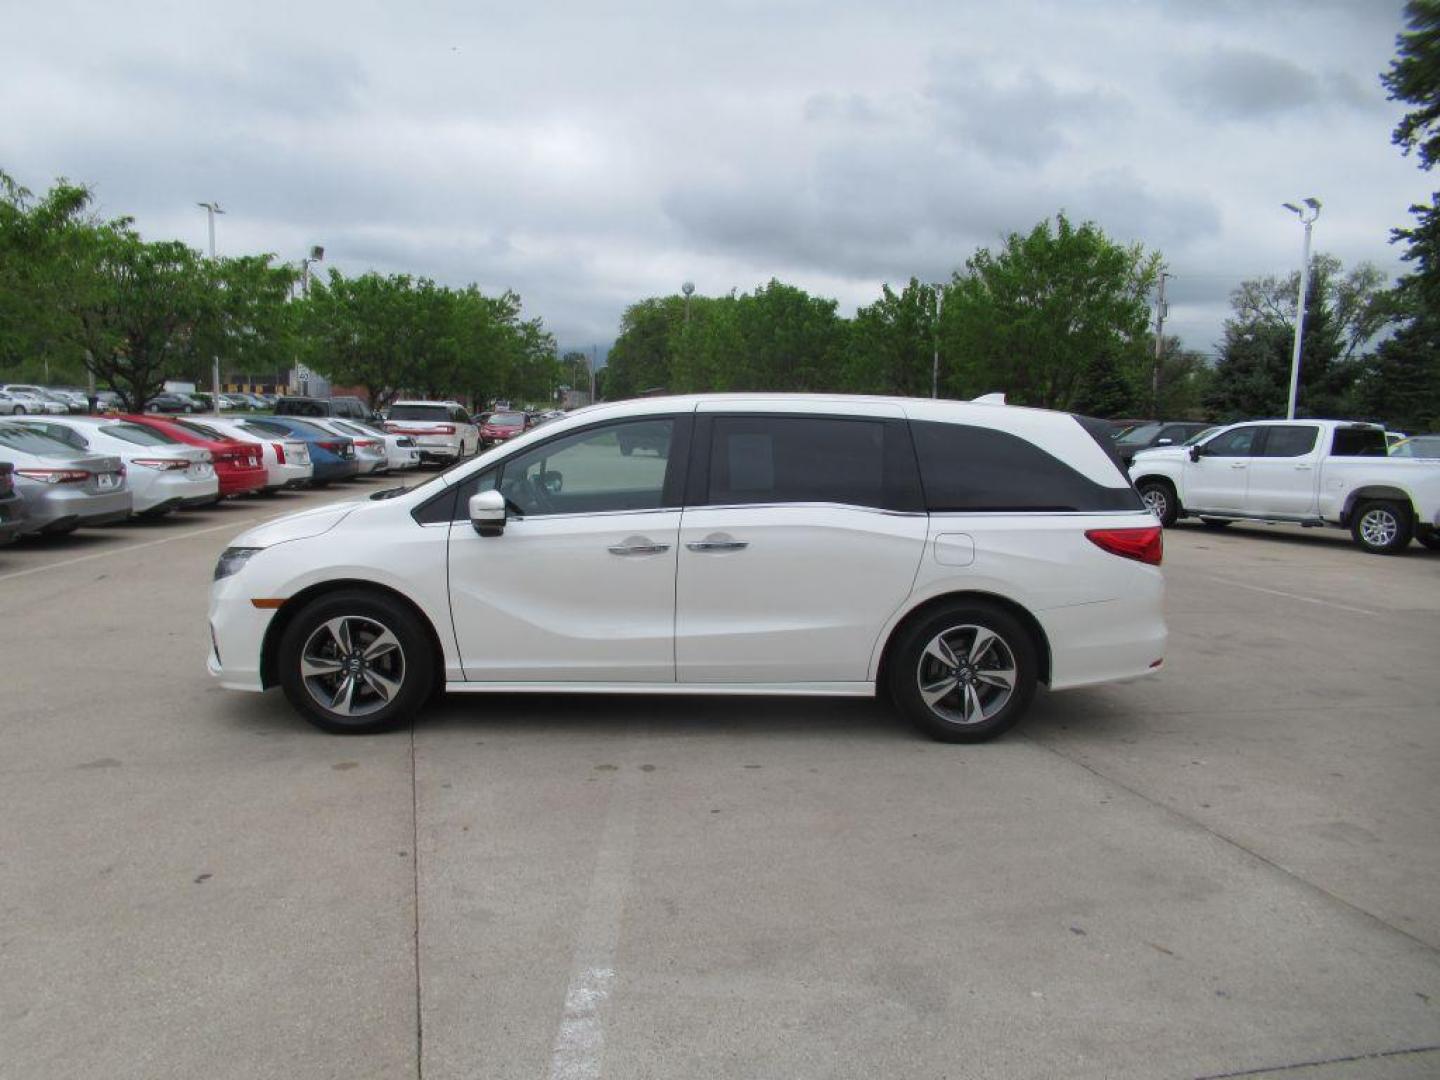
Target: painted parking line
1292, 596
129, 547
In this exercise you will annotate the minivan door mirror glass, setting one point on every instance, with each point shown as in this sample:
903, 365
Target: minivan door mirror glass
487, 513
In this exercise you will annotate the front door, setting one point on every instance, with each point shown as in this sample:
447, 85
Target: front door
793, 555
580, 587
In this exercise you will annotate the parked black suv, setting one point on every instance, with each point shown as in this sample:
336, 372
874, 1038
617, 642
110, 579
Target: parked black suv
349, 408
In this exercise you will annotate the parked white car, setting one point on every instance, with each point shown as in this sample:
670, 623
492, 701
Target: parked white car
443, 431
287, 460
370, 451
956, 553
400, 450
162, 474
1306, 472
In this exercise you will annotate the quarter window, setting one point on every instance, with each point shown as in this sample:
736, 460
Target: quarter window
966, 468
793, 459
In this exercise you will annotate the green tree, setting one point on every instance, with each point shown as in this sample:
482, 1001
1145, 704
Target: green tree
641, 358
1184, 381
892, 342
1057, 318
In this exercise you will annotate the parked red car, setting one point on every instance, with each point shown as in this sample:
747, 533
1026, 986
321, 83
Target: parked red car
500, 426
239, 466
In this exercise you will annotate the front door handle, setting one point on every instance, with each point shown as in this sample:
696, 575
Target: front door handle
1238, 465
639, 545
718, 545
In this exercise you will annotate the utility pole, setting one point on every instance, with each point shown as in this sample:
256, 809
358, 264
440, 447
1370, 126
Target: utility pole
935, 343
211, 209
1161, 310
1307, 217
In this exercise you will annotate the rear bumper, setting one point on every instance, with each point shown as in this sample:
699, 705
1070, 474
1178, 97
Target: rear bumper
237, 482
1112, 641
334, 470
286, 476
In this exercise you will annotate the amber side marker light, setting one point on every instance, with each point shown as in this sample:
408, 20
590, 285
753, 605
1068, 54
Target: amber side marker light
266, 603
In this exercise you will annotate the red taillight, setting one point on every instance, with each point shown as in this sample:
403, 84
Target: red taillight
55, 476
279, 453
1143, 545
163, 464
333, 447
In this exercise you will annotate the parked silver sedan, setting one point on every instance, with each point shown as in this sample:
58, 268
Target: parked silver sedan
164, 474
63, 488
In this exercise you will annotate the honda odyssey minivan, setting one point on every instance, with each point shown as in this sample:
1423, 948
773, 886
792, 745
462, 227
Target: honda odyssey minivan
954, 554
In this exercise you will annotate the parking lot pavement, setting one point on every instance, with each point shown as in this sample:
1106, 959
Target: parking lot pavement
1228, 869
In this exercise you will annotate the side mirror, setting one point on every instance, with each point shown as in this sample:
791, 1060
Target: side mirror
1194, 453
487, 513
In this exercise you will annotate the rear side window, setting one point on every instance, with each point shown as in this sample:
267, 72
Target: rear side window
793, 459
420, 412
965, 468
1289, 441
1359, 442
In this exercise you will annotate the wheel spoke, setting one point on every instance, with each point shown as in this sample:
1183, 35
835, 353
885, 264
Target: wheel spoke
938, 691
974, 710
983, 640
310, 666
340, 631
1001, 677
386, 687
941, 652
386, 642
344, 699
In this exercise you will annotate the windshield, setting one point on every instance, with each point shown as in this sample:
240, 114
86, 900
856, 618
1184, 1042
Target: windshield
138, 434
420, 412
1141, 433
32, 442
1205, 434
1421, 446
506, 419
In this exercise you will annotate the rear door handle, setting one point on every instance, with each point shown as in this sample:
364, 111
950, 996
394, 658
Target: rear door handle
643, 548
1302, 468
718, 545
1238, 465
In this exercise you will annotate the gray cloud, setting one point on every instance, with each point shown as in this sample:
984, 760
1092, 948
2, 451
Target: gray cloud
1246, 83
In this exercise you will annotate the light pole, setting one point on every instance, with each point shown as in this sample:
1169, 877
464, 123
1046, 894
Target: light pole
935, 344
1161, 310
688, 288
317, 254
211, 209
1307, 215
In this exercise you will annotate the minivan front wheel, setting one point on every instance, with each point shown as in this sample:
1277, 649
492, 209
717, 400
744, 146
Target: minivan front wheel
356, 662
964, 673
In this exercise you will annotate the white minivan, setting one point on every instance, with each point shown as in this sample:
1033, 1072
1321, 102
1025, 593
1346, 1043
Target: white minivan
955, 554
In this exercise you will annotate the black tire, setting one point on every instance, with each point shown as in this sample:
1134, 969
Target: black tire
1430, 538
1382, 527
974, 708
1216, 523
1161, 500
18, 411
408, 663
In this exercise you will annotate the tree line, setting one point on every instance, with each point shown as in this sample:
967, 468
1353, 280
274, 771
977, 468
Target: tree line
80, 296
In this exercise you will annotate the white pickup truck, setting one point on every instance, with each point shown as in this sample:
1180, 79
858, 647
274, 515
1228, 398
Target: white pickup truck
1307, 472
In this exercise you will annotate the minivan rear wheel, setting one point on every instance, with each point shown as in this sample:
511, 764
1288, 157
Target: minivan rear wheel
356, 662
964, 673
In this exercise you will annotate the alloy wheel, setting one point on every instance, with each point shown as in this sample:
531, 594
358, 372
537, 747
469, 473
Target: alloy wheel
352, 665
1155, 501
1379, 527
966, 674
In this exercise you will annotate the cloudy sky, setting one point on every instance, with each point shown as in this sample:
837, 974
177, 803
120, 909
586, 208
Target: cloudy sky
590, 154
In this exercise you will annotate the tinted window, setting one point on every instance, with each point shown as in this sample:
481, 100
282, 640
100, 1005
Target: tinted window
420, 412
1290, 441
980, 469
1236, 443
1359, 442
616, 467
507, 419
299, 407
70, 438
793, 459
138, 434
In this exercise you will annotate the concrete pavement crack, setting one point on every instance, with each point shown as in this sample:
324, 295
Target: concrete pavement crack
1429, 947
1347, 1060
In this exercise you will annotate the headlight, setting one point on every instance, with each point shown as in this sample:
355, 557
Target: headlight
232, 559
